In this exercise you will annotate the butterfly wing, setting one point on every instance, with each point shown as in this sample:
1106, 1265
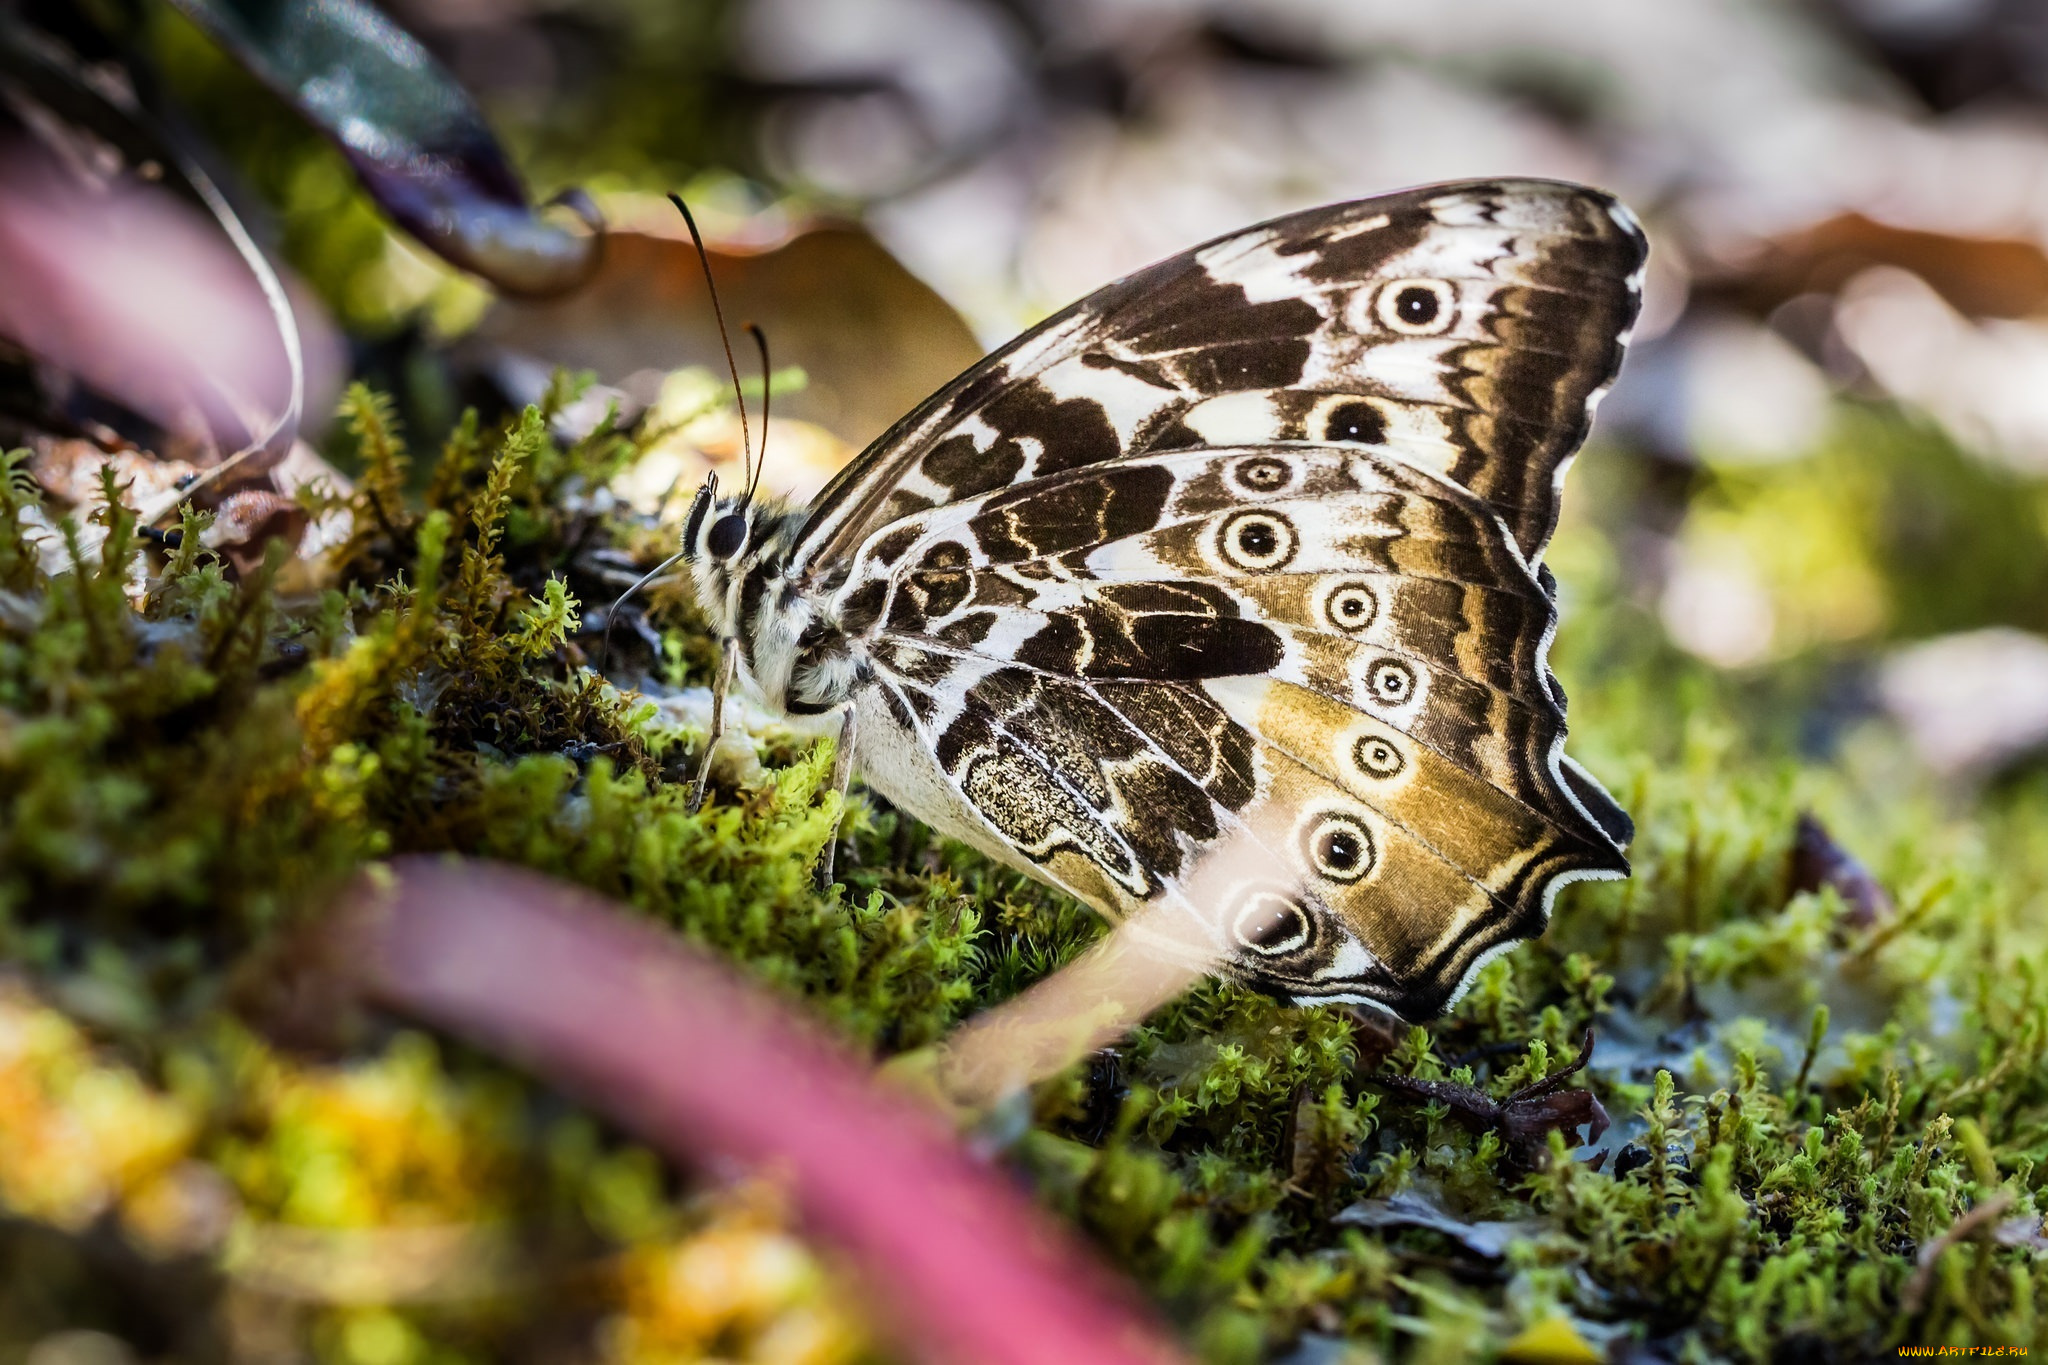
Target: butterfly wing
1244, 546
1323, 650
1469, 328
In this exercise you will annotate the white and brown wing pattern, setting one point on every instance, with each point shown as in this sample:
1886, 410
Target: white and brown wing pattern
1246, 544
1467, 328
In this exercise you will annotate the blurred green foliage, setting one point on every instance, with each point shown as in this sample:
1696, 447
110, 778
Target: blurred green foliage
1889, 530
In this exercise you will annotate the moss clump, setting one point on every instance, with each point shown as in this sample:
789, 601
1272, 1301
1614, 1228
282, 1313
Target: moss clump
1825, 1135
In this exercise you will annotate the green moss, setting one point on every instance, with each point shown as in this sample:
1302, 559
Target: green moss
1802, 1110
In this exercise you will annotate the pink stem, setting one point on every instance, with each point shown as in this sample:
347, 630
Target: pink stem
701, 1064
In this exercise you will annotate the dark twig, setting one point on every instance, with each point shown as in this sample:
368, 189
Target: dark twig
1914, 1296
1818, 861
1526, 1118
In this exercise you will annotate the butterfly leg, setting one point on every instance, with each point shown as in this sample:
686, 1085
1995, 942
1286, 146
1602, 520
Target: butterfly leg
728, 654
842, 779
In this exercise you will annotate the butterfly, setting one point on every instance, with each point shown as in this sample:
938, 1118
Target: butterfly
1247, 544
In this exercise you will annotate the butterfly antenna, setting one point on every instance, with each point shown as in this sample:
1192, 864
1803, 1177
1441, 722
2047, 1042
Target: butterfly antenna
704, 259
760, 460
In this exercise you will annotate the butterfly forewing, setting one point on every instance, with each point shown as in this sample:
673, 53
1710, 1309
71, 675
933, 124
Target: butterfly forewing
1244, 546
1533, 284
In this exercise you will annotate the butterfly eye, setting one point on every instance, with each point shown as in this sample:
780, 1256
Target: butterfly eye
1340, 848
1351, 607
1376, 756
1271, 925
1417, 307
728, 536
1257, 541
1392, 681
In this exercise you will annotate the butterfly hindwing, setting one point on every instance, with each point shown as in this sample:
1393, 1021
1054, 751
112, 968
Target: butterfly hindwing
1437, 867
1380, 586
1137, 698
1114, 789
1244, 546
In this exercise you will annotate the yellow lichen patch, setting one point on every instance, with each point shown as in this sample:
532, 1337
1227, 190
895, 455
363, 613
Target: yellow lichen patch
391, 1142
740, 1287
1551, 1341
180, 1211
77, 1133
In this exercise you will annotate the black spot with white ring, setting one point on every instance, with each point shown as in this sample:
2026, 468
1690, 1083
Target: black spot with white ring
1339, 847
1257, 542
1417, 307
1378, 757
1351, 607
1263, 474
1272, 924
1392, 682
1356, 421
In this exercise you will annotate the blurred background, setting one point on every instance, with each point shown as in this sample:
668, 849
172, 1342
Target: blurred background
1825, 468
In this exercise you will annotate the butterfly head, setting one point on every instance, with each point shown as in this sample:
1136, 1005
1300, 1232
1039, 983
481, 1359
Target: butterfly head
732, 537
721, 530
718, 530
